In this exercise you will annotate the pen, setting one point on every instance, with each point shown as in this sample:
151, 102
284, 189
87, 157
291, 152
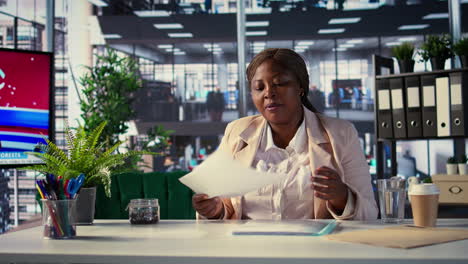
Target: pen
40, 192
43, 189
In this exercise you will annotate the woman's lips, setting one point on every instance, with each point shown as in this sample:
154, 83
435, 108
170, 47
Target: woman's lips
273, 107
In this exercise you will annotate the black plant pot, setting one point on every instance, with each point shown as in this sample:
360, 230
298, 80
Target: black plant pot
85, 204
464, 61
406, 66
437, 64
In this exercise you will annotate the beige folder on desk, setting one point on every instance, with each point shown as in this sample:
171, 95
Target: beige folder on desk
402, 236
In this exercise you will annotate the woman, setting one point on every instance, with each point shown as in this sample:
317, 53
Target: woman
327, 174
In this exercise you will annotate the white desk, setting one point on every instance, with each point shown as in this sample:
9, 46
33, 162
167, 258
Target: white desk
210, 242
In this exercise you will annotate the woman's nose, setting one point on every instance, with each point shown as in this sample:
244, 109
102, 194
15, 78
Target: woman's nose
270, 91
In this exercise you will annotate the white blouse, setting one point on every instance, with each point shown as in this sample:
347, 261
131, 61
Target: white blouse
293, 197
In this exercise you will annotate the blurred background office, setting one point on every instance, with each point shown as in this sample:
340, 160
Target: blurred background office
187, 57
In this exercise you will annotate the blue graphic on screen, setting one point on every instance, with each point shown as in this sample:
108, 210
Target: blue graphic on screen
24, 104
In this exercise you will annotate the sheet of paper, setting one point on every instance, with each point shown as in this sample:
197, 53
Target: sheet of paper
221, 175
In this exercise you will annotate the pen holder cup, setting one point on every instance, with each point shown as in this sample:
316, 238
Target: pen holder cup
58, 219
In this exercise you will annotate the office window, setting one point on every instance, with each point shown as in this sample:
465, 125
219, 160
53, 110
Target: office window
6, 31
61, 107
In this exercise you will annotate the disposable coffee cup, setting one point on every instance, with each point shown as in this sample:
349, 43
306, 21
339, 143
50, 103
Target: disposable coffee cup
424, 204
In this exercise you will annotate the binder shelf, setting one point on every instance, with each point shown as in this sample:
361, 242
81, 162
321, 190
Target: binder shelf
423, 105
417, 106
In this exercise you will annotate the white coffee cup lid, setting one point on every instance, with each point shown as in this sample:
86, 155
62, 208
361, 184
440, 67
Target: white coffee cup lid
424, 189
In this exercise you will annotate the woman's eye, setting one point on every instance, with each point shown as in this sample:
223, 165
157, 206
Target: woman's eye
258, 88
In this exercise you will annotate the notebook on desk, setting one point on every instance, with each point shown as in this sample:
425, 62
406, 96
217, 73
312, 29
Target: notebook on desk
278, 228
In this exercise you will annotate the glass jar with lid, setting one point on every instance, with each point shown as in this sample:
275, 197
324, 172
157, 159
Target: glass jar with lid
143, 211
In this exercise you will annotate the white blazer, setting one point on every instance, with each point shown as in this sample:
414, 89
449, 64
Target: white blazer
332, 142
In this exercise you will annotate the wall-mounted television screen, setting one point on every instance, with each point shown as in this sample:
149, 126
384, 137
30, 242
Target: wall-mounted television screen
26, 116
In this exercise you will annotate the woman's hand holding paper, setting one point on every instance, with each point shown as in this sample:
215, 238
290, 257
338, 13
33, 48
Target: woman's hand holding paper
211, 208
328, 186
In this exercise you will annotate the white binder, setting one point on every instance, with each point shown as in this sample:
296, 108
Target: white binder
443, 106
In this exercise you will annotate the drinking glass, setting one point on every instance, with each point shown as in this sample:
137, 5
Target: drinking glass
392, 198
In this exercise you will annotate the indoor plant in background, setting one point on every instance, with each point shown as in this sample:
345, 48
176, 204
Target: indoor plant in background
86, 154
107, 94
462, 165
452, 166
436, 49
461, 50
404, 55
108, 89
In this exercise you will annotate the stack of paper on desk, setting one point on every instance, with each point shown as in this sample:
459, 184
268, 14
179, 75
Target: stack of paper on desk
221, 175
278, 228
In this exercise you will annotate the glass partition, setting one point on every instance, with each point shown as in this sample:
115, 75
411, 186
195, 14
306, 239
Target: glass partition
320, 61
29, 35
6, 31
10, 7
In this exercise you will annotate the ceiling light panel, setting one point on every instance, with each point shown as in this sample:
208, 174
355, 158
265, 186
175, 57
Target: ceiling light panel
349, 20
305, 43
99, 3
331, 31
210, 45
112, 36
173, 50
346, 45
355, 41
412, 27
390, 44
165, 46
436, 16
407, 39
339, 49
256, 33
169, 26
257, 23
152, 13
180, 35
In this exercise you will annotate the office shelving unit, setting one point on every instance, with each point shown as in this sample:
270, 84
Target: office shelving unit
382, 64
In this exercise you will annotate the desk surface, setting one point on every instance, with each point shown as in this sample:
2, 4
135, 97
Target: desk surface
211, 242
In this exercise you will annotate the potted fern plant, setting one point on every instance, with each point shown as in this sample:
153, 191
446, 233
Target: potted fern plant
404, 55
86, 155
436, 49
461, 50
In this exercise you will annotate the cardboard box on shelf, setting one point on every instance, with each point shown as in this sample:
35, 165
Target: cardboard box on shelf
453, 188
